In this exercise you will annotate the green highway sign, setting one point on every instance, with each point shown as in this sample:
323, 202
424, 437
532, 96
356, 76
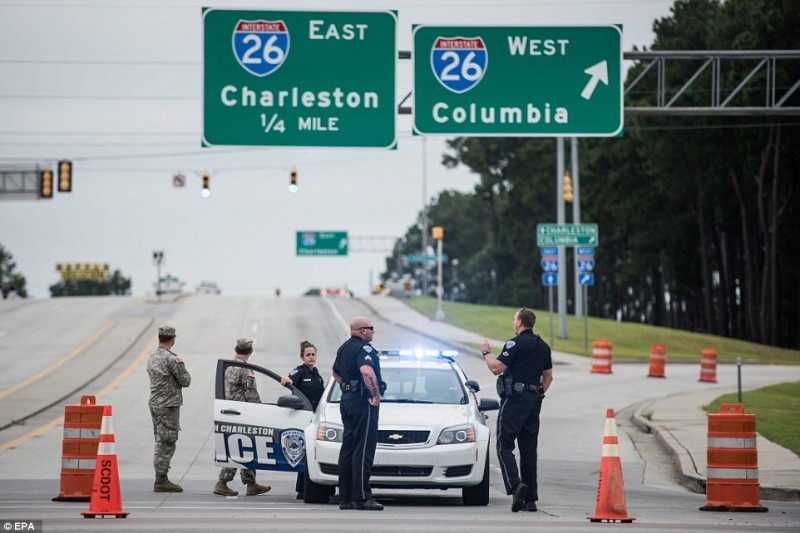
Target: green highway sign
299, 78
322, 243
551, 81
426, 258
567, 235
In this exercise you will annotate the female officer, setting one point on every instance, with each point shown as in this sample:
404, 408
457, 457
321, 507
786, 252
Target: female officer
306, 378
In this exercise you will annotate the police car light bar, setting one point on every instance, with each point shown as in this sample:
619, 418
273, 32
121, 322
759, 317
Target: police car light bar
419, 353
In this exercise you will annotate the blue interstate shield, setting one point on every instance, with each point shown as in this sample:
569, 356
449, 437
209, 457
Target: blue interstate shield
261, 46
459, 63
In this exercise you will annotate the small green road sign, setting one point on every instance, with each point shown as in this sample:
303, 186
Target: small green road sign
426, 258
523, 81
567, 235
299, 78
322, 243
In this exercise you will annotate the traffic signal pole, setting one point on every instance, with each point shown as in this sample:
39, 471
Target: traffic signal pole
562, 251
576, 218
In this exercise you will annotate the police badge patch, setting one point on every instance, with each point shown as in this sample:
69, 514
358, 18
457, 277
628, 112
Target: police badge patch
510, 344
293, 444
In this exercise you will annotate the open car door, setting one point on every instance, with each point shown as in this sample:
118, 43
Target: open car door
260, 436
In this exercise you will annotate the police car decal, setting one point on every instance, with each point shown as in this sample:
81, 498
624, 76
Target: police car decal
260, 46
293, 445
255, 447
459, 63
510, 344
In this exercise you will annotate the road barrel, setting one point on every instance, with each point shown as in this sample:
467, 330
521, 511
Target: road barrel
708, 365
658, 361
732, 469
601, 357
79, 449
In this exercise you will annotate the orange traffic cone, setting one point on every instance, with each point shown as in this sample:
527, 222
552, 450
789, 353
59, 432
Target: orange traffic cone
106, 497
658, 360
610, 491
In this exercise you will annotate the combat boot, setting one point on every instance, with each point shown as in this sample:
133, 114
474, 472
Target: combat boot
223, 489
254, 488
163, 484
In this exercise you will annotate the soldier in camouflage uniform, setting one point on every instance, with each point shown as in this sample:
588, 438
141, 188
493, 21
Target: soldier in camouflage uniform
240, 386
168, 375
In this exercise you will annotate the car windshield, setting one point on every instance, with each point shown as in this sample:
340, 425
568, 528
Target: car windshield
418, 385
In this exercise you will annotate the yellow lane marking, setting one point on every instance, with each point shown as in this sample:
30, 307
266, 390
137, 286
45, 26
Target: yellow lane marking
43, 372
60, 419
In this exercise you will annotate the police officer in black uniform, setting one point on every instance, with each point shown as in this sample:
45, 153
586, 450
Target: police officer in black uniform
306, 378
357, 369
525, 371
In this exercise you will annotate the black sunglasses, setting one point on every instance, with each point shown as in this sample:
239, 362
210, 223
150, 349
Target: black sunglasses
371, 328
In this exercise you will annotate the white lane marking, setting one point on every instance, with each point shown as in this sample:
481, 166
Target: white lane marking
345, 325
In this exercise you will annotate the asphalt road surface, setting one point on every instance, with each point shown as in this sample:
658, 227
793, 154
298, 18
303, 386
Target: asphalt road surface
53, 351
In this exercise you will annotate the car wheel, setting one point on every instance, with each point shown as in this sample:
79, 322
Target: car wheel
478, 494
314, 492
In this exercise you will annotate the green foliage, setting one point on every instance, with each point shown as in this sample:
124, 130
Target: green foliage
114, 284
775, 408
10, 280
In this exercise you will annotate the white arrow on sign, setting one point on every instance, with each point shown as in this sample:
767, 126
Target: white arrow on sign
598, 72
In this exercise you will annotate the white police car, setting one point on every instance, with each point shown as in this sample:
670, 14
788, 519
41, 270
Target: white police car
432, 430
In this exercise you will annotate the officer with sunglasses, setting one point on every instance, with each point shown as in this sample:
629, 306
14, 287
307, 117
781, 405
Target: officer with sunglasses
357, 370
525, 371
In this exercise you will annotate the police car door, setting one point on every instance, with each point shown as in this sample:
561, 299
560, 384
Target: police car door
260, 436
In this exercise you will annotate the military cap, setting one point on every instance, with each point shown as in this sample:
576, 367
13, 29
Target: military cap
244, 344
166, 331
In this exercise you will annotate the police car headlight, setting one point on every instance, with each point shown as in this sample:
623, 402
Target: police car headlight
330, 432
457, 434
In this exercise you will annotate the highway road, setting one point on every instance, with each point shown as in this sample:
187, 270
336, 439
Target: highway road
53, 351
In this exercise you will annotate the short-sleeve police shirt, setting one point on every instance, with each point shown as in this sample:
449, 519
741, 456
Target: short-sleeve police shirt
352, 355
309, 382
526, 357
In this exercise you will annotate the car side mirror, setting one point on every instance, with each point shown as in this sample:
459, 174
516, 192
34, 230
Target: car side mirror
292, 402
472, 385
488, 404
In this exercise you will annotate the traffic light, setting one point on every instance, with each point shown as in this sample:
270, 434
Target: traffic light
293, 187
46, 183
64, 176
567, 187
205, 192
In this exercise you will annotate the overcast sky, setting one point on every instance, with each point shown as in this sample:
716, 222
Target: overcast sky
117, 88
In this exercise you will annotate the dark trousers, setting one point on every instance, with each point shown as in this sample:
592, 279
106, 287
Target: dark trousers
519, 421
359, 440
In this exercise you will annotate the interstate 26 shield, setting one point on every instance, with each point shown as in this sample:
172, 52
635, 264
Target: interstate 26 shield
459, 63
261, 46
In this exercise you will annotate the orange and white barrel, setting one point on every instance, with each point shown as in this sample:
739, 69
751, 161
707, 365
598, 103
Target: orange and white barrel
708, 365
79, 449
732, 467
658, 361
601, 357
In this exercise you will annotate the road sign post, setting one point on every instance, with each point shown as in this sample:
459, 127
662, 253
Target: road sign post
522, 81
322, 243
298, 78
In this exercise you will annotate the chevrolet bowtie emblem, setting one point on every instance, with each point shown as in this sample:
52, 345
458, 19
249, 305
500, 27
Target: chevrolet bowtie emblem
396, 436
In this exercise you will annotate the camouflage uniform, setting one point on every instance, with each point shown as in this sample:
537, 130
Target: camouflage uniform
240, 386
167, 378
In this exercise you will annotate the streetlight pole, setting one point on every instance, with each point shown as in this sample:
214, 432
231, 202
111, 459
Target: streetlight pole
158, 258
424, 214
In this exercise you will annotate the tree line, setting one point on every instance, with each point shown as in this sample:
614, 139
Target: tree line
697, 215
